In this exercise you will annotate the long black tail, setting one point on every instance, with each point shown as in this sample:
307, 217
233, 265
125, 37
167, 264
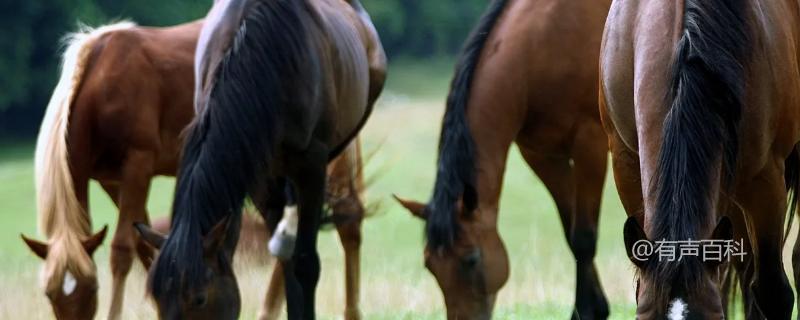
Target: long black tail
455, 177
702, 125
230, 144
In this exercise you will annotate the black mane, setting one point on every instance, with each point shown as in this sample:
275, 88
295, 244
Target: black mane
455, 176
231, 143
706, 97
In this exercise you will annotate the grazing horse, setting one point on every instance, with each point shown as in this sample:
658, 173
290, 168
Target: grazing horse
700, 103
282, 87
345, 190
123, 98
528, 74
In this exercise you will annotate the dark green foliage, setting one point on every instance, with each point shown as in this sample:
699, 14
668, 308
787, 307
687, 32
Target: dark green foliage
30, 33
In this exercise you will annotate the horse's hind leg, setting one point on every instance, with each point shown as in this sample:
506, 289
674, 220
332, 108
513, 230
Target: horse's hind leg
132, 200
764, 202
350, 235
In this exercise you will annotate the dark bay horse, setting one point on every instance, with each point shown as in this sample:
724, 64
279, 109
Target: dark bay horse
701, 108
345, 199
527, 75
119, 127
282, 87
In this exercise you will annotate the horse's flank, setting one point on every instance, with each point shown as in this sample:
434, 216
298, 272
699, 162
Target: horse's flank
61, 217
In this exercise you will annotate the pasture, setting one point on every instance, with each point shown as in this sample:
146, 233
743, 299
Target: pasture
395, 285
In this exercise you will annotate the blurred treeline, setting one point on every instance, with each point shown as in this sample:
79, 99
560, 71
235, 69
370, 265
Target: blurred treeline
30, 33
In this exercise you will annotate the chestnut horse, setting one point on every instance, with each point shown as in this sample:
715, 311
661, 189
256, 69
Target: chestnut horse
158, 117
281, 88
528, 74
701, 108
120, 128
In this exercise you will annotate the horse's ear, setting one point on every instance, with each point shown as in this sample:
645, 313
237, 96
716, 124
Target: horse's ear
724, 229
214, 239
38, 248
634, 239
152, 237
94, 242
416, 208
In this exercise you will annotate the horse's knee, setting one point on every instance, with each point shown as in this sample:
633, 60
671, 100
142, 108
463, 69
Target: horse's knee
584, 244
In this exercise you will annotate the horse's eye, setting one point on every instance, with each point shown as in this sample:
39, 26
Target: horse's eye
472, 259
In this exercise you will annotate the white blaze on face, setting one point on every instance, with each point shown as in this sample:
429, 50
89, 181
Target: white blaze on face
677, 310
69, 284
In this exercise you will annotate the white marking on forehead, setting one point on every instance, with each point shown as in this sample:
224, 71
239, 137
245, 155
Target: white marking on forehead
69, 284
677, 310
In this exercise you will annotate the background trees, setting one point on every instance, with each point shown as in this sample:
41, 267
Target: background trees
30, 33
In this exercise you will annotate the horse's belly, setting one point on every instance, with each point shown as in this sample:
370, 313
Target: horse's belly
352, 83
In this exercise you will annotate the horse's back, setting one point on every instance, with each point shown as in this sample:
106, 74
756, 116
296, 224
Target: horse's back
137, 94
540, 63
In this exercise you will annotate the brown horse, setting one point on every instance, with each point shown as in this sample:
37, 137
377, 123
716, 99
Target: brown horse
282, 87
701, 108
345, 190
528, 74
119, 127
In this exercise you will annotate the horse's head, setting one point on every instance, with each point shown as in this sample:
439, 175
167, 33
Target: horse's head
193, 279
69, 275
472, 270
689, 288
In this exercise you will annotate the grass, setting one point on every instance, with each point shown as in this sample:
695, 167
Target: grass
395, 285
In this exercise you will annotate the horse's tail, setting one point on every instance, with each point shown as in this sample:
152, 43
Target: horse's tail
56, 200
706, 96
455, 176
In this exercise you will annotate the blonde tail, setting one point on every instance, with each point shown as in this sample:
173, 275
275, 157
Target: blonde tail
57, 205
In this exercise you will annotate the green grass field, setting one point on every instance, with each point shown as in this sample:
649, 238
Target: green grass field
395, 285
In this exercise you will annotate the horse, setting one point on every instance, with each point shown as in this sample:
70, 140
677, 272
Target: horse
115, 117
281, 87
699, 99
344, 198
345, 176
527, 74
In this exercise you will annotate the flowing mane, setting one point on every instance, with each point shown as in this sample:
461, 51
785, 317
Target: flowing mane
230, 144
455, 176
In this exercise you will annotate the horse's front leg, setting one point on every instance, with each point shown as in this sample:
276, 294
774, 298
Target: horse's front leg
132, 200
308, 175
